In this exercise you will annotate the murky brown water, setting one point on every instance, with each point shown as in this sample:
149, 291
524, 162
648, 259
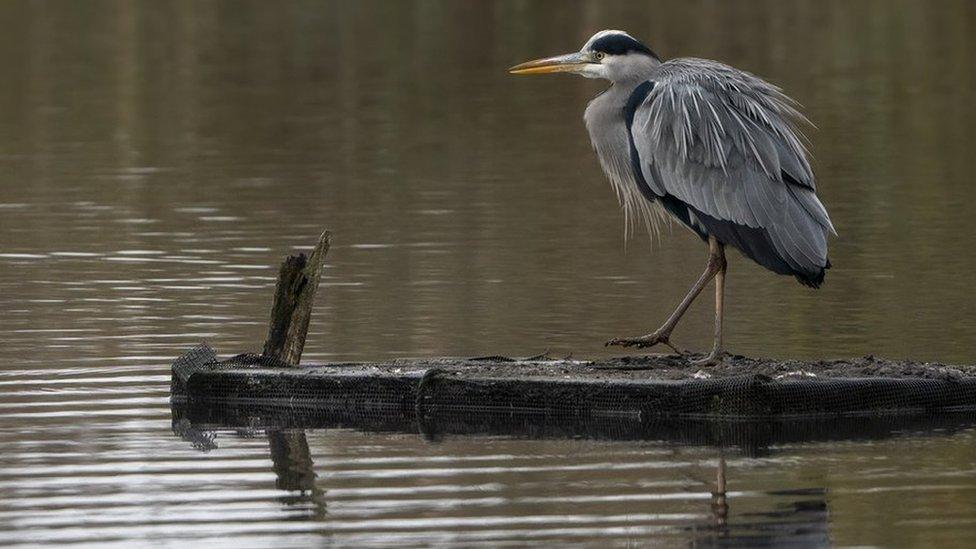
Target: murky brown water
157, 159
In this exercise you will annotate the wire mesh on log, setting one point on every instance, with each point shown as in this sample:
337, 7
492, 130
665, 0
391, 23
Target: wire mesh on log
427, 391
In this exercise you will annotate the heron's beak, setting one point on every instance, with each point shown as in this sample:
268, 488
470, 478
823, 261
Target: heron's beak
571, 62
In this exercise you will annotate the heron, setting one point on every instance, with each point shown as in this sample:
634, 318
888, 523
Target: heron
714, 148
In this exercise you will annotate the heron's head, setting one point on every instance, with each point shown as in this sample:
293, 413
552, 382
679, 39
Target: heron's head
610, 54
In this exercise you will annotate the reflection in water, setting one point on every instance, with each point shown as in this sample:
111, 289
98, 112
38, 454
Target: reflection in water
794, 517
292, 461
157, 159
671, 480
720, 504
292, 464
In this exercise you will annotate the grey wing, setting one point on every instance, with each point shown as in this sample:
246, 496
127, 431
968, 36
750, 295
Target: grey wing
722, 143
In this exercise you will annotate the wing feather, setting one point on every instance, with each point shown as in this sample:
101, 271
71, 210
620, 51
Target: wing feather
724, 142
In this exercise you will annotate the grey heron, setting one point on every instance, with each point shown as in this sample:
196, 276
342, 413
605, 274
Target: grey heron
712, 147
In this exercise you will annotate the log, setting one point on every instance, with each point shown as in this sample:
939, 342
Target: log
201, 421
654, 386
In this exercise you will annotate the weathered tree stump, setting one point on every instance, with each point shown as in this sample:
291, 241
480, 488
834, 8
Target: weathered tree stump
291, 311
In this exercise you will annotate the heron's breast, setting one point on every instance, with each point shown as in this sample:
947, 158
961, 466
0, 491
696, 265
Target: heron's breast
611, 141
608, 134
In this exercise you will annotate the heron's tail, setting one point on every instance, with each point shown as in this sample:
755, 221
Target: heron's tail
816, 280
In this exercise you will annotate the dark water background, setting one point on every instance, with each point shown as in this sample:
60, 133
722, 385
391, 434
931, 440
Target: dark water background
157, 159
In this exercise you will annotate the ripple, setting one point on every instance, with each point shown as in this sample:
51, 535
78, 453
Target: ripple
22, 256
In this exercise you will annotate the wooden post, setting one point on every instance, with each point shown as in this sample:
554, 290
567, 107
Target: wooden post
292, 308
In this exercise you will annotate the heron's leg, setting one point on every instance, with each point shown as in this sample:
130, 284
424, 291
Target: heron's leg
716, 353
716, 264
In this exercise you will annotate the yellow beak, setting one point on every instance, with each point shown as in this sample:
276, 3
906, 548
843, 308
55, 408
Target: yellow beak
571, 62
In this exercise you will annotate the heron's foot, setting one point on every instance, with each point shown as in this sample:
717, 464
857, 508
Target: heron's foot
649, 340
713, 358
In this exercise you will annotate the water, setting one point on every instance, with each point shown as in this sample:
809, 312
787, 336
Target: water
157, 159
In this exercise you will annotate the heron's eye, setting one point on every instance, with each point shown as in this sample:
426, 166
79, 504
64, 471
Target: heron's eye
600, 55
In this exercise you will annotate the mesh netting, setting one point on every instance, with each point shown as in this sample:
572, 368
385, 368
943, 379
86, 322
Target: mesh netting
415, 390
739, 396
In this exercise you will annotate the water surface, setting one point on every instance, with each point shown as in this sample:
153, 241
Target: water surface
157, 159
